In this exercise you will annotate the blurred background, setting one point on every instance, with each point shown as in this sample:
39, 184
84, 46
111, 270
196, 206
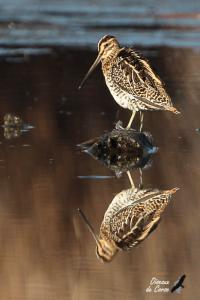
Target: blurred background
26, 23
46, 47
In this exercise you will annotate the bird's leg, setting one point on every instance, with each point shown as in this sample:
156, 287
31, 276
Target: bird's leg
131, 120
130, 179
141, 179
141, 120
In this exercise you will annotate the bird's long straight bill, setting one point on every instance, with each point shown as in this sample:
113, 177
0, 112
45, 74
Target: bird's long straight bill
88, 225
97, 61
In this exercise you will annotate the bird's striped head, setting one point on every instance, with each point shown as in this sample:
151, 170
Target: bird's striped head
106, 45
105, 250
107, 48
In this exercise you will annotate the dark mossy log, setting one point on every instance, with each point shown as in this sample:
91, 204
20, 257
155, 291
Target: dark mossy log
121, 150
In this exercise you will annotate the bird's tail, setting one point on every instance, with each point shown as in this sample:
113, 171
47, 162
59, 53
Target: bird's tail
174, 110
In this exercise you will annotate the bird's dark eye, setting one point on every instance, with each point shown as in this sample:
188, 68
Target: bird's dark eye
106, 45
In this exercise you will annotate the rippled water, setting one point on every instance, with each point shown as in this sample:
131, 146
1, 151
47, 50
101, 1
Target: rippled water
46, 47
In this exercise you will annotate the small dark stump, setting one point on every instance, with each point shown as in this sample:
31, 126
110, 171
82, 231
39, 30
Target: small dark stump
121, 150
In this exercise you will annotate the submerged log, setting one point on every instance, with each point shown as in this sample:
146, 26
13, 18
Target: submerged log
121, 150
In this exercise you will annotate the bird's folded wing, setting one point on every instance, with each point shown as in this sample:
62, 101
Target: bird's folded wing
137, 69
132, 229
126, 199
134, 75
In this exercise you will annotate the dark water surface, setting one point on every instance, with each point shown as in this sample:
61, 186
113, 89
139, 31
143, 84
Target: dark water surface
46, 252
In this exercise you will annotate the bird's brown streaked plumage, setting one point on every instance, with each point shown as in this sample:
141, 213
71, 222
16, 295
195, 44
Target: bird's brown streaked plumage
130, 78
132, 215
130, 218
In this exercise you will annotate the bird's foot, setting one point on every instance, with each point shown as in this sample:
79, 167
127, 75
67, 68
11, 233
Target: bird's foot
118, 174
119, 126
128, 128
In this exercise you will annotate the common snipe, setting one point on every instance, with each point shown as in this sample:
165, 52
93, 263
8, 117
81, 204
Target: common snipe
132, 215
130, 79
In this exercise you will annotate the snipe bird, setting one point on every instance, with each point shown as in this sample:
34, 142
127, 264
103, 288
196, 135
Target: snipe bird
130, 78
132, 215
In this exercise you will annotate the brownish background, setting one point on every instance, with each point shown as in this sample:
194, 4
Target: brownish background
45, 250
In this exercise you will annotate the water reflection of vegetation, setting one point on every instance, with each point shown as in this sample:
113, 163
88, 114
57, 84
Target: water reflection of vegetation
14, 126
121, 150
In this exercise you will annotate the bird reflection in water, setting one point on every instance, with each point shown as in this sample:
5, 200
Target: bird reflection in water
121, 150
134, 213
14, 126
130, 218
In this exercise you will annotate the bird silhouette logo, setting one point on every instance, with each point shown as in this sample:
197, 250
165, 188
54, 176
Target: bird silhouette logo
178, 285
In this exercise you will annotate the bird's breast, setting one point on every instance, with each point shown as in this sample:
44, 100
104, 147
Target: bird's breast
123, 98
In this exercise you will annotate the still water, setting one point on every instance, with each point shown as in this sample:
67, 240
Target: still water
46, 251
45, 50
